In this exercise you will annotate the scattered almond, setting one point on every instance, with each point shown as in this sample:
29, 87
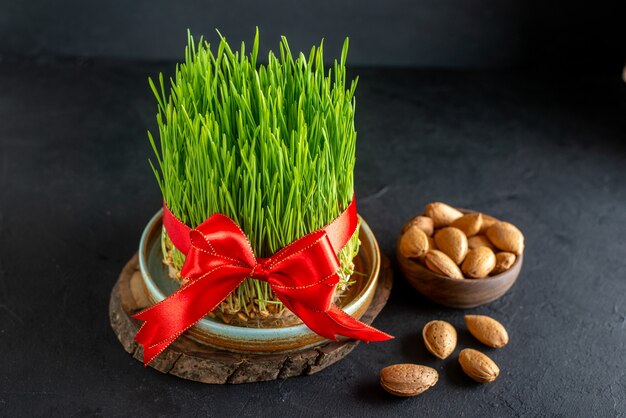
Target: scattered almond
479, 262
441, 264
407, 379
478, 366
440, 338
504, 261
452, 242
469, 223
506, 237
413, 243
422, 222
442, 214
487, 330
479, 241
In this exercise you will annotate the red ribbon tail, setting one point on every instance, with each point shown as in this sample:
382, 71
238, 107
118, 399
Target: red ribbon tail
150, 352
354, 328
168, 319
146, 338
335, 322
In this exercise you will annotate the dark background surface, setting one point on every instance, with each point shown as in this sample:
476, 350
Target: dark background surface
545, 153
563, 35
542, 145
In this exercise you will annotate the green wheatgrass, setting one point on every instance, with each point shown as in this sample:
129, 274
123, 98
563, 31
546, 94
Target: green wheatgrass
271, 146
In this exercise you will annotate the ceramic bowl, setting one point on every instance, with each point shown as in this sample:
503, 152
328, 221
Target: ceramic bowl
455, 293
258, 340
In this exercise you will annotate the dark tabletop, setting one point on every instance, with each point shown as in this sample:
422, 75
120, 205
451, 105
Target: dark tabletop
546, 152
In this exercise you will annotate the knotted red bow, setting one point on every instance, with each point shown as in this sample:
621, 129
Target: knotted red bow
303, 275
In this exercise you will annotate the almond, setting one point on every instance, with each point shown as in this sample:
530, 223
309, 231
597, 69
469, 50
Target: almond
479, 241
441, 264
422, 222
469, 223
487, 330
442, 214
504, 261
413, 243
479, 262
407, 379
452, 242
431, 244
506, 237
478, 366
488, 221
440, 338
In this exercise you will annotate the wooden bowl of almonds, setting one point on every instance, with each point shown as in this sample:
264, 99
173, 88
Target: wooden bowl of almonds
460, 258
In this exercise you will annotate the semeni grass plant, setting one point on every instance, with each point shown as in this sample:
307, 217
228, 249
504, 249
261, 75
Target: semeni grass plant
271, 146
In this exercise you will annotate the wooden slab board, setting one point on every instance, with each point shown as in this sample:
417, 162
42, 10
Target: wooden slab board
189, 359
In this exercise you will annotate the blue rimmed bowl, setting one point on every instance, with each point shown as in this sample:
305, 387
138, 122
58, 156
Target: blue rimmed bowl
213, 332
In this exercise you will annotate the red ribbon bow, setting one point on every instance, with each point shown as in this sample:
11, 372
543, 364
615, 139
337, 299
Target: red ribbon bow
303, 275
